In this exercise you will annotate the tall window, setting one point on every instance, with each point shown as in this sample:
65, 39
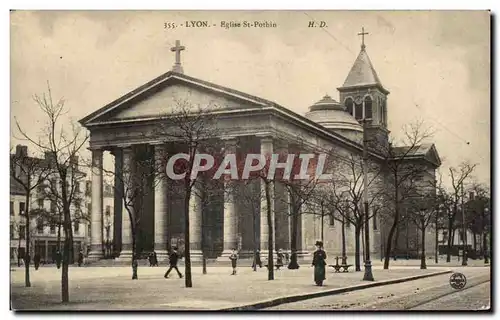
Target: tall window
88, 188
332, 220
347, 219
384, 111
11, 232
77, 226
52, 206
358, 111
39, 225
21, 208
40, 203
348, 105
368, 107
12, 208
22, 232
77, 187
52, 228
108, 210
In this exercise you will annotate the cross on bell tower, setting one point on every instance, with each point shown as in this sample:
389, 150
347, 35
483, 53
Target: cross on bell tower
362, 34
177, 49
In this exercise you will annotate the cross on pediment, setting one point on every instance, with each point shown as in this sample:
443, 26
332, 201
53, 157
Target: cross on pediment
177, 49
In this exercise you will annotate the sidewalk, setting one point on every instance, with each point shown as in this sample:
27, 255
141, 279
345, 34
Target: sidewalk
94, 288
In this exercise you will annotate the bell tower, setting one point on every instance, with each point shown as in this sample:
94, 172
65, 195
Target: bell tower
364, 97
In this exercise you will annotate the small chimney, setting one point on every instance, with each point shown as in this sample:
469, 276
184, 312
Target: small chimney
21, 151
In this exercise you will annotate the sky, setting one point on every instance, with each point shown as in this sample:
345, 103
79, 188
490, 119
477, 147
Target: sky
436, 64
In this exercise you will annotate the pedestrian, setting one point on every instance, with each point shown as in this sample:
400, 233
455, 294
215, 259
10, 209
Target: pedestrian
173, 258
279, 259
234, 259
155, 259
58, 259
80, 258
36, 260
150, 259
319, 264
256, 260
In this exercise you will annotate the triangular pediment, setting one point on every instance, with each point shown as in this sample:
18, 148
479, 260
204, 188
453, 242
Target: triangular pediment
433, 156
165, 95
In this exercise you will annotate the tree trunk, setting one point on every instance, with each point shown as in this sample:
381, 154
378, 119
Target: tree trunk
389, 241
68, 243
255, 242
343, 241
450, 239
322, 225
270, 274
357, 234
187, 253
485, 246
19, 247
293, 265
474, 235
134, 265
436, 249
27, 256
422, 257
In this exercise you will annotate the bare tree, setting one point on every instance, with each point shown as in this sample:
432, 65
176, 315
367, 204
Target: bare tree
29, 173
62, 149
250, 195
422, 213
402, 171
132, 183
458, 176
192, 128
343, 195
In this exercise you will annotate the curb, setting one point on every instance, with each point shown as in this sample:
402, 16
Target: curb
287, 299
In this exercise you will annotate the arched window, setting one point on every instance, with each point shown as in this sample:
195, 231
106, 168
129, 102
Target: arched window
348, 105
368, 107
358, 111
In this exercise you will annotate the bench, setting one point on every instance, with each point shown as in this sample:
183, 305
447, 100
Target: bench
278, 266
344, 266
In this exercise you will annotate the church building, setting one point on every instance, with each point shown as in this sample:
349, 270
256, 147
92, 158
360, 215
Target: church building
249, 123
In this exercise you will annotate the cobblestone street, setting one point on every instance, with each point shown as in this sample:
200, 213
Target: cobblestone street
433, 293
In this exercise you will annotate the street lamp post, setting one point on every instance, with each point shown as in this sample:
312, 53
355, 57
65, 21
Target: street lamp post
368, 266
485, 235
464, 230
346, 204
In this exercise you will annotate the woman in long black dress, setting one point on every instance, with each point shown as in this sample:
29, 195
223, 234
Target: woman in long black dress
319, 264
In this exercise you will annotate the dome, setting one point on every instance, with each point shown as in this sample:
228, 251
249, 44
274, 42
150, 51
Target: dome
332, 115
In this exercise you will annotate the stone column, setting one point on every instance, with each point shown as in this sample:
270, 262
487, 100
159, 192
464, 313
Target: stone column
230, 215
161, 209
282, 225
96, 215
128, 170
195, 224
266, 148
118, 200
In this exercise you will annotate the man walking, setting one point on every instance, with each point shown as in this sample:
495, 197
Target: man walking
234, 258
173, 258
37, 260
